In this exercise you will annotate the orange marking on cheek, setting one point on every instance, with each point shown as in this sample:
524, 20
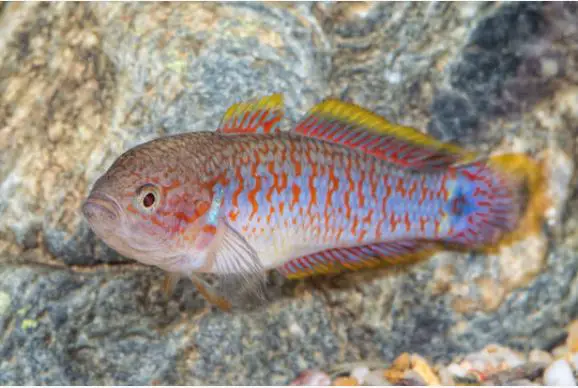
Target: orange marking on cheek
157, 222
132, 209
202, 208
211, 229
173, 185
183, 217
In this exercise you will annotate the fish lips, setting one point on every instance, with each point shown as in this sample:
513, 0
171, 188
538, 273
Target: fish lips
101, 209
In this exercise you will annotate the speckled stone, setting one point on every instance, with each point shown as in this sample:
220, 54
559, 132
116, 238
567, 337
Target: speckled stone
82, 82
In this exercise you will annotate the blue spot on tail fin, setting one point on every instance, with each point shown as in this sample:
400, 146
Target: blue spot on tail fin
482, 206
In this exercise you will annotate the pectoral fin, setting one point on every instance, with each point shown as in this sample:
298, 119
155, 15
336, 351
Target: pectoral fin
238, 266
233, 260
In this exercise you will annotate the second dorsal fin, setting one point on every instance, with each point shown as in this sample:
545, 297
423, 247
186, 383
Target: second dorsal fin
262, 115
352, 126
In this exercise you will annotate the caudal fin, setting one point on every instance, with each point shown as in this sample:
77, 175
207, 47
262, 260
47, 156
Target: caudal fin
497, 201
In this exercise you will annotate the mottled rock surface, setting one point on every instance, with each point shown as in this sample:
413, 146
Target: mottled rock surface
82, 82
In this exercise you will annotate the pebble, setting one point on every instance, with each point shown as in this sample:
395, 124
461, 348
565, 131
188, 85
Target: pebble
572, 340
345, 381
402, 362
574, 361
528, 371
538, 355
411, 377
559, 373
376, 378
393, 374
494, 365
560, 352
522, 383
456, 370
360, 373
446, 377
312, 377
421, 366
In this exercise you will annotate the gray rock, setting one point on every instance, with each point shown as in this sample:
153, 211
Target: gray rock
80, 83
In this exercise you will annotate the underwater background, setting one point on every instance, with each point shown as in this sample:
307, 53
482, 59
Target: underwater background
80, 83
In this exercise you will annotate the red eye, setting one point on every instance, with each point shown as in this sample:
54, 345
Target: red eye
148, 200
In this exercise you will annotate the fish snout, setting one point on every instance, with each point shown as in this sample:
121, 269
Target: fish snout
100, 207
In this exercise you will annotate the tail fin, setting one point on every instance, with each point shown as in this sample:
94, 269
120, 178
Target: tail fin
497, 201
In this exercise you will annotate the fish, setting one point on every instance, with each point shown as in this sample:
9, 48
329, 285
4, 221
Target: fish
344, 189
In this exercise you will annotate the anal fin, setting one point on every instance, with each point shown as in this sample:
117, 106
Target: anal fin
337, 260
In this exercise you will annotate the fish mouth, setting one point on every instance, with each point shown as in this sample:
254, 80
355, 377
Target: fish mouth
100, 206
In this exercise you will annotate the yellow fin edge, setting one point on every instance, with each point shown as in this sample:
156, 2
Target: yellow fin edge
372, 262
355, 114
272, 102
532, 174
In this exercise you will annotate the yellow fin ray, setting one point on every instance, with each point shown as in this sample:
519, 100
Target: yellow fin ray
530, 175
355, 127
262, 115
379, 255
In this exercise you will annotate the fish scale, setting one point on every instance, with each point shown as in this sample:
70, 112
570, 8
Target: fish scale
369, 200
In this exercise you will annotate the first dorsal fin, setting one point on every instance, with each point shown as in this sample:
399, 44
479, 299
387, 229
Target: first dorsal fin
352, 126
262, 115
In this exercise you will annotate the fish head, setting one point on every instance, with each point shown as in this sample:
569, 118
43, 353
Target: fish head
146, 206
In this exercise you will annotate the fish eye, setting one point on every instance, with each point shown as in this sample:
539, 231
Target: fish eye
147, 198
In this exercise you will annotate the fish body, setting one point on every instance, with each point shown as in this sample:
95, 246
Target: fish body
343, 190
